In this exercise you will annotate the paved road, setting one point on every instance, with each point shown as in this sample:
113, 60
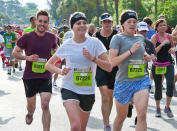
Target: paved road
13, 110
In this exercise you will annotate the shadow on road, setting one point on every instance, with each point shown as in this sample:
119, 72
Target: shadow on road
2, 93
148, 128
171, 121
14, 78
95, 123
5, 121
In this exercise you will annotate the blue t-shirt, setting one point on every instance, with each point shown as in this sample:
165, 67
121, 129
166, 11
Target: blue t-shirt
150, 33
2, 33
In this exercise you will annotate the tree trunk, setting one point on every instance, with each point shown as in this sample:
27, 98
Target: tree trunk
155, 9
105, 5
97, 11
136, 5
117, 11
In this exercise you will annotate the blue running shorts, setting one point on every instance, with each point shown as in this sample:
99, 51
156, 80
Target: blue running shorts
124, 91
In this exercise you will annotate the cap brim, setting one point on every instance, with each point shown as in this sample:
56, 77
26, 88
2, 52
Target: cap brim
142, 29
107, 19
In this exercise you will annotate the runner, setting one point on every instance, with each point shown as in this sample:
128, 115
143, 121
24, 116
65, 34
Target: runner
174, 34
33, 25
164, 66
58, 63
35, 78
91, 29
1, 45
151, 31
168, 29
19, 34
65, 29
4, 30
142, 28
132, 81
64, 22
10, 40
105, 80
82, 53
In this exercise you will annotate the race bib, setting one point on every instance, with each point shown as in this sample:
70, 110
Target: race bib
160, 70
83, 76
136, 68
8, 45
39, 66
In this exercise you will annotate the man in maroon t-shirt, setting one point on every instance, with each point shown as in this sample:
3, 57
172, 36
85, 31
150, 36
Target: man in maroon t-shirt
37, 46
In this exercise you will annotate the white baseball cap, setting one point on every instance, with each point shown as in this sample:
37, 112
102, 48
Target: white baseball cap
106, 17
142, 26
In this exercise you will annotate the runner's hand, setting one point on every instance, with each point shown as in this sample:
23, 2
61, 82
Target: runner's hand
165, 42
153, 58
65, 71
171, 51
32, 58
87, 54
135, 47
147, 57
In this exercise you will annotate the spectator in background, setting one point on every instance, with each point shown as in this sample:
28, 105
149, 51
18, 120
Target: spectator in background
151, 31
3, 31
168, 27
18, 30
64, 22
65, 29
91, 29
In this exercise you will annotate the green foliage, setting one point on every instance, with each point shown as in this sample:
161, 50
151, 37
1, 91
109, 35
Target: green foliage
12, 12
169, 11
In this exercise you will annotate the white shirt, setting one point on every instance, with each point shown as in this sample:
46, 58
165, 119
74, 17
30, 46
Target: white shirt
1, 39
72, 52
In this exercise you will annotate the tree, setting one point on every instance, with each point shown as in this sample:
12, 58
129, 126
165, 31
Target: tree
105, 5
156, 9
31, 6
4, 19
54, 4
117, 11
136, 5
97, 11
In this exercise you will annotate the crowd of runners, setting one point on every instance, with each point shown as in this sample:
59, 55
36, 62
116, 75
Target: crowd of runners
126, 62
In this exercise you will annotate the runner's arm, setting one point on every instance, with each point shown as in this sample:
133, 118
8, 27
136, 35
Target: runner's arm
17, 53
115, 59
103, 62
50, 66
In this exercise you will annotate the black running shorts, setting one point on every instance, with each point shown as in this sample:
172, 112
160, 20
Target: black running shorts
104, 78
86, 101
34, 86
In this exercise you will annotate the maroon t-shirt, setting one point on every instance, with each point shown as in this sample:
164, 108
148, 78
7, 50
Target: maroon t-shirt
34, 44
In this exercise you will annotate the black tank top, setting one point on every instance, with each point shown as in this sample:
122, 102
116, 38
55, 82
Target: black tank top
163, 55
105, 40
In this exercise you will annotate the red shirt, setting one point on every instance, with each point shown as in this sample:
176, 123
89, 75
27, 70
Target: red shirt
19, 32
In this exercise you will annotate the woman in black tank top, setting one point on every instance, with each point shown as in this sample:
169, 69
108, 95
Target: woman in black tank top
105, 80
164, 48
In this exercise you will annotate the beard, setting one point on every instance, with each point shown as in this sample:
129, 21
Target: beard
41, 31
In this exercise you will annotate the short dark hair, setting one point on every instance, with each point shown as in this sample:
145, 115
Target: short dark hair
9, 26
148, 20
32, 17
42, 12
